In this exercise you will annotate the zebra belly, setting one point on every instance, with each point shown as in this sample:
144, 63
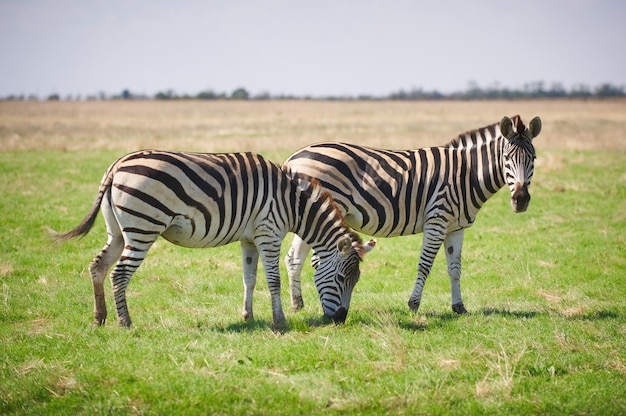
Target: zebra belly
378, 227
183, 232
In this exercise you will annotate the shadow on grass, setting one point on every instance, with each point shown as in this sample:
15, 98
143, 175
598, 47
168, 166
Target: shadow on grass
510, 314
592, 315
403, 319
243, 326
595, 316
262, 325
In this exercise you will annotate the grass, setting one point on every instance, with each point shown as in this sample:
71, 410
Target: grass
545, 290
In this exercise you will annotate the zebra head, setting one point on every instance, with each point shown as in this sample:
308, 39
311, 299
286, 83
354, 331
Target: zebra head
336, 274
519, 158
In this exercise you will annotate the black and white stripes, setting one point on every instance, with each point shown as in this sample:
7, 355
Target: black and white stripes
437, 191
208, 200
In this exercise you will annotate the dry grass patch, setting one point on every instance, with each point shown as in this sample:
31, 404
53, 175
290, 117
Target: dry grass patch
503, 370
278, 128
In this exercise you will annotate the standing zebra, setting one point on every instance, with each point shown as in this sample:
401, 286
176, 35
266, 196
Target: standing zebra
437, 191
209, 200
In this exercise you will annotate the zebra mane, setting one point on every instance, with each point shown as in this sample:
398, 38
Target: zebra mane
314, 190
481, 135
325, 197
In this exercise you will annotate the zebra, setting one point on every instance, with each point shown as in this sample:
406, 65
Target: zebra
202, 200
437, 191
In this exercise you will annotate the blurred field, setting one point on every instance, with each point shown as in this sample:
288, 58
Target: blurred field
284, 126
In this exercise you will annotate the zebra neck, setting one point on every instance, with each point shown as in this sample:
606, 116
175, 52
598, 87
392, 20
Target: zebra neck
317, 222
486, 169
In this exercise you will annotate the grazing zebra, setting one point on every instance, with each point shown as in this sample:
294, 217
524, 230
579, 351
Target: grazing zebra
437, 191
208, 200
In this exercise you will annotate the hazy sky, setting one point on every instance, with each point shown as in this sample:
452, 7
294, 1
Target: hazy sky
318, 47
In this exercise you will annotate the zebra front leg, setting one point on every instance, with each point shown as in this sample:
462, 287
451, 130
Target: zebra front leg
270, 256
250, 259
453, 244
433, 238
295, 263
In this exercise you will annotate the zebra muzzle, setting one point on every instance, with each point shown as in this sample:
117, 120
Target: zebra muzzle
340, 316
520, 198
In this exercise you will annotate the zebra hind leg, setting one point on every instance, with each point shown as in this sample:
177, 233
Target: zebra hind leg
434, 235
98, 269
129, 262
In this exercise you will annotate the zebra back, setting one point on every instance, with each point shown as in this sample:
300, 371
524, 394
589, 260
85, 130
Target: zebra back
388, 193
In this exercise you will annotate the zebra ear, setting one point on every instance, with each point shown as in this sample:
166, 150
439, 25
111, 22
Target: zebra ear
369, 246
363, 249
344, 245
535, 127
506, 127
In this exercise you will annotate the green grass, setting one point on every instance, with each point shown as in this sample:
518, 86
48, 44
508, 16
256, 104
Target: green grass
546, 332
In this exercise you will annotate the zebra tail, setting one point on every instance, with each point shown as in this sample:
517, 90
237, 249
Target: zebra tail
87, 223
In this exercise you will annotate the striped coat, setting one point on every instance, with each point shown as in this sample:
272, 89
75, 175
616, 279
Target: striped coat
437, 191
207, 200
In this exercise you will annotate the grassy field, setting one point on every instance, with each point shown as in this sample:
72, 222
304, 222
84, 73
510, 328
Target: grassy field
546, 332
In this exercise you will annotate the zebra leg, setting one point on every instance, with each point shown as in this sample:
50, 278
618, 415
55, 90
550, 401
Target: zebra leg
295, 262
434, 235
120, 276
102, 263
98, 269
250, 260
453, 245
270, 256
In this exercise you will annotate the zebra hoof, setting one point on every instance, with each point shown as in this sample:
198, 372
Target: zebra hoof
297, 303
124, 322
414, 305
459, 308
99, 318
279, 327
247, 316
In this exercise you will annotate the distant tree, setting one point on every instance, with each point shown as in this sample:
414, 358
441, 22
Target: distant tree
207, 95
54, 97
557, 90
580, 91
535, 89
167, 95
126, 95
240, 94
608, 90
262, 96
474, 91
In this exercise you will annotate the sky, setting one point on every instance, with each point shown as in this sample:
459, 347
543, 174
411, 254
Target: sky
308, 47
